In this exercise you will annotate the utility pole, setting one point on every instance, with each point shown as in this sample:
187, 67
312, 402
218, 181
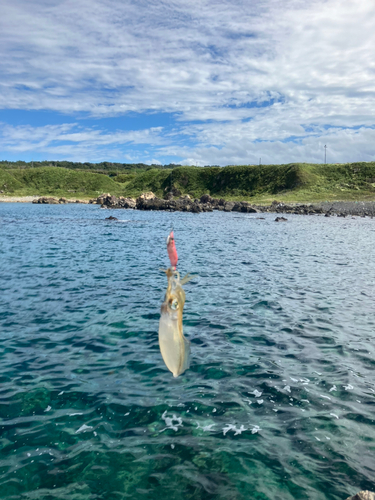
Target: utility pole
325, 154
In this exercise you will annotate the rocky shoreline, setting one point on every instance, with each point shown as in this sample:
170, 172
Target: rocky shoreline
51, 200
148, 201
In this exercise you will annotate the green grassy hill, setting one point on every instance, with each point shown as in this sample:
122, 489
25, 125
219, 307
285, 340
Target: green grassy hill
263, 183
106, 167
56, 181
297, 182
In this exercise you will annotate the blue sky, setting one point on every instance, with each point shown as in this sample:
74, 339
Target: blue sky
199, 82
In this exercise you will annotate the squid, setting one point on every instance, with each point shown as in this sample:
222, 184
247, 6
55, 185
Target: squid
174, 347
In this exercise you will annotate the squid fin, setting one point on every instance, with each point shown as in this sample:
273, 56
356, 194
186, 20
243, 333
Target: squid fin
187, 278
186, 362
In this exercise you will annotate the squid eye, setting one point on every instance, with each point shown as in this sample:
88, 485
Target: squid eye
174, 304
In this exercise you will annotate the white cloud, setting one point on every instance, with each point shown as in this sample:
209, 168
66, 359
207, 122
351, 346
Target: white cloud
72, 141
213, 64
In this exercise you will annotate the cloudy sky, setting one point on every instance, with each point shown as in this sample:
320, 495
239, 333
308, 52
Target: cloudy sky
193, 82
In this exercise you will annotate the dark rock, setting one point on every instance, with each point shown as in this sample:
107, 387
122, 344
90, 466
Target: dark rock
228, 207
47, 200
126, 202
144, 202
206, 207
280, 219
153, 204
363, 495
100, 199
195, 208
111, 201
206, 198
243, 206
111, 218
216, 203
108, 201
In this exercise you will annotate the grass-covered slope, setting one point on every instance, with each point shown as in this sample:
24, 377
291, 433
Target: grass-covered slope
106, 167
260, 183
58, 181
8, 183
293, 182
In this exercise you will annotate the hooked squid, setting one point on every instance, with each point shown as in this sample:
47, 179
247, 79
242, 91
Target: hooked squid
174, 347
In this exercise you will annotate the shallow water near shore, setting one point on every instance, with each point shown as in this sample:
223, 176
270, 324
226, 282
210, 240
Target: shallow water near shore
279, 402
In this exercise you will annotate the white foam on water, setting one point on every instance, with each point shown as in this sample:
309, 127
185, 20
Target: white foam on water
72, 414
248, 401
84, 428
334, 415
255, 429
171, 422
287, 388
205, 428
294, 379
260, 401
333, 388
329, 439
317, 438
126, 414
172, 446
256, 393
326, 397
231, 427
348, 387
61, 393
48, 408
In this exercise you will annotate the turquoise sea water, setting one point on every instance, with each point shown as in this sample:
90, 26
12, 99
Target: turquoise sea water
279, 402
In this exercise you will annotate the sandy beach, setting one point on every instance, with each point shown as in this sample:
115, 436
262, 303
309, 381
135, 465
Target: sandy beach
18, 199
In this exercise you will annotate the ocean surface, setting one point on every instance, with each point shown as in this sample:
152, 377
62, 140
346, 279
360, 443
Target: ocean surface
279, 401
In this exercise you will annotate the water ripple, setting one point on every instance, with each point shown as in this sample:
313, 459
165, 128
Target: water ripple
279, 400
